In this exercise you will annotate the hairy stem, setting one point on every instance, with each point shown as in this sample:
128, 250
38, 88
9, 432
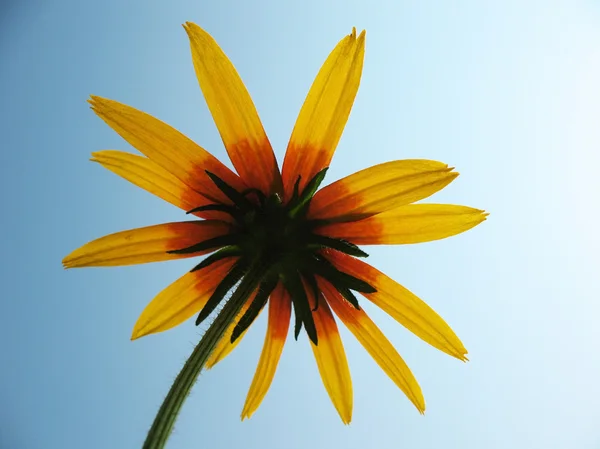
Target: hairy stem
171, 406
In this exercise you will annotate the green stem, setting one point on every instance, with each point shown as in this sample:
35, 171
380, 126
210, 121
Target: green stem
171, 406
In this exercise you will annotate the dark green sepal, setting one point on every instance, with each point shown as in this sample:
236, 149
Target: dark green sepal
296, 191
340, 245
326, 269
293, 284
264, 291
311, 280
215, 242
317, 223
313, 185
297, 321
228, 209
235, 274
238, 199
303, 201
348, 295
223, 253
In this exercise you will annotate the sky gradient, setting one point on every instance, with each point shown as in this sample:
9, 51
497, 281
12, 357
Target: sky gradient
506, 92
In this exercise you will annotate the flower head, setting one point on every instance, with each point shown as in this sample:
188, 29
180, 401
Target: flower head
290, 244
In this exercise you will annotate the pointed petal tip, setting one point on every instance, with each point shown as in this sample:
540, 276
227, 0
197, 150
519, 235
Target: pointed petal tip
452, 175
69, 260
212, 361
481, 216
94, 100
140, 330
194, 30
248, 411
137, 332
417, 399
96, 103
95, 156
463, 355
419, 402
460, 355
246, 414
480, 213
188, 26
360, 36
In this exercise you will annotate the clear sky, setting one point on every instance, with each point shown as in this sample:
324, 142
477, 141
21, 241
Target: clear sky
507, 92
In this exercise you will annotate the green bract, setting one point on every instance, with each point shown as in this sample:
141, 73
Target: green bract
278, 237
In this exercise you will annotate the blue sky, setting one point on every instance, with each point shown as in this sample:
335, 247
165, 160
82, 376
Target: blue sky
507, 92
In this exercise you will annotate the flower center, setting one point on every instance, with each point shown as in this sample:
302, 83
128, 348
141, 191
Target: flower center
280, 239
272, 235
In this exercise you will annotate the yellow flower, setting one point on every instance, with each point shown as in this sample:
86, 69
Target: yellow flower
292, 244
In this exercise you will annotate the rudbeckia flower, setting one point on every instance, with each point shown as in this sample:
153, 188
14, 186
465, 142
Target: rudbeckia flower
272, 237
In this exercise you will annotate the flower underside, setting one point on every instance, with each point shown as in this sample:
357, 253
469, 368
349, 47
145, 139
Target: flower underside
270, 238
278, 238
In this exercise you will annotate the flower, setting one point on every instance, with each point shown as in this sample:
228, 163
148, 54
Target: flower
289, 244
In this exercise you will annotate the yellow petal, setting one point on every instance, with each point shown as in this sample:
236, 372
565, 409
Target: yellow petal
224, 346
414, 223
379, 347
380, 188
402, 305
143, 245
332, 362
150, 176
181, 300
167, 147
234, 113
324, 113
277, 329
